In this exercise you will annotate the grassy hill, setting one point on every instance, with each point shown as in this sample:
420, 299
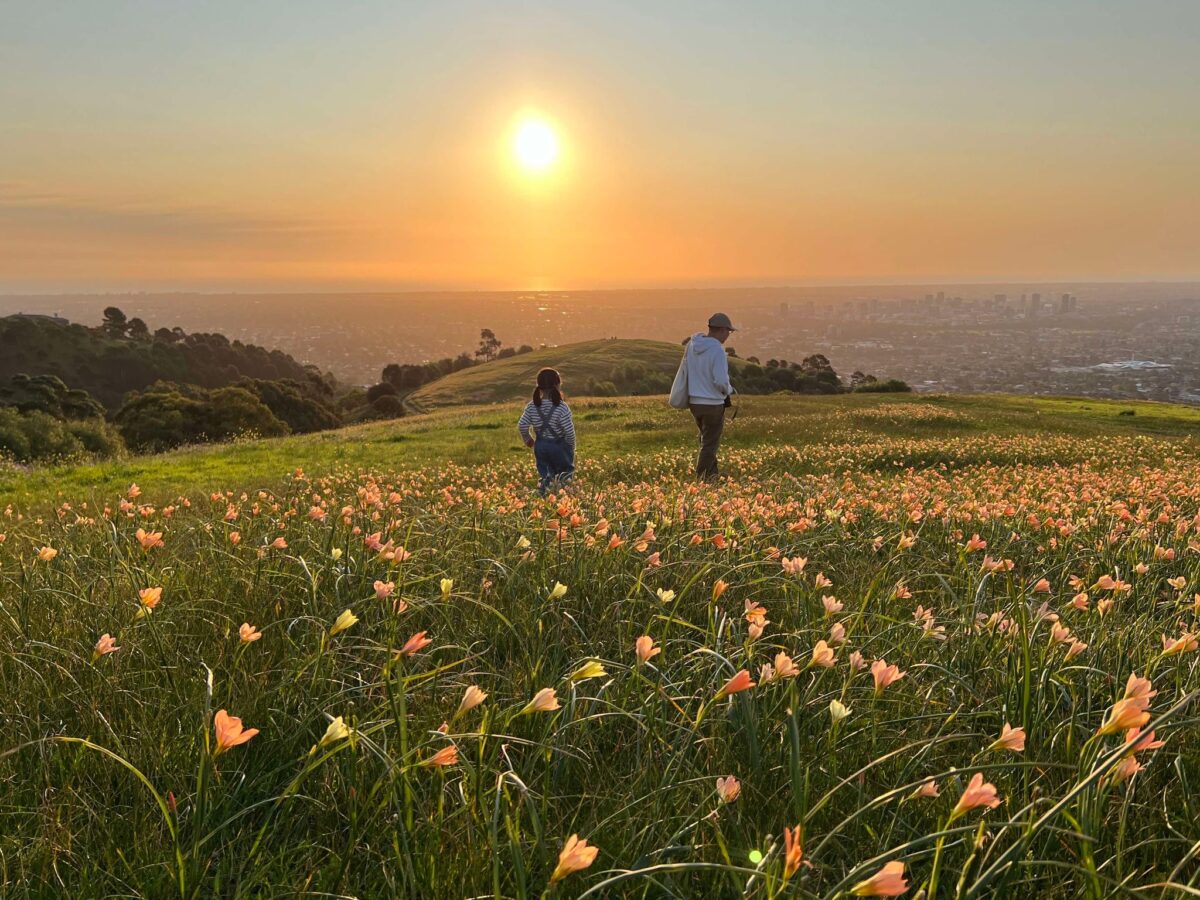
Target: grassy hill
444, 677
512, 379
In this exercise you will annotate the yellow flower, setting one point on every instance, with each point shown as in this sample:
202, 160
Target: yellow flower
838, 711
336, 553
559, 591
666, 596
337, 730
590, 669
47, 553
447, 585
523, 543
344, 621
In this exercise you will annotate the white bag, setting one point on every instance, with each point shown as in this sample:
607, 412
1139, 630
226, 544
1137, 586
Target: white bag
679, 389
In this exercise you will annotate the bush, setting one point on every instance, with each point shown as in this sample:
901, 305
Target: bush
291, 403
169, 415
48, 394
891, 386
97, 437
594, 388
383, 389
40, 437
388, 406
14, 443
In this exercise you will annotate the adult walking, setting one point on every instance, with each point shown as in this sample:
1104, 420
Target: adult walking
702, 386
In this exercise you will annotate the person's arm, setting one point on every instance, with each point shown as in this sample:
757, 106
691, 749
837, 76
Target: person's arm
523, 426
567, 424
720, 373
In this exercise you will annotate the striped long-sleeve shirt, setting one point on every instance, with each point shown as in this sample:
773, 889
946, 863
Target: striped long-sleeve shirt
554, 422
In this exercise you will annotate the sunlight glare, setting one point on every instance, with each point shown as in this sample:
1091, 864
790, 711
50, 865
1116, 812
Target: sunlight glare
535, 145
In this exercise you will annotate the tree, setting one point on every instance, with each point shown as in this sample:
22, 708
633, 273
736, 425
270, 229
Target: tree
489, 345
138, 330
387, 406
167, 415
290, 403
114, 322
48, 394
818, 366
383, 389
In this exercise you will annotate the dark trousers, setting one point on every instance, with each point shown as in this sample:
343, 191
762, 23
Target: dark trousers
555, 463
710, 420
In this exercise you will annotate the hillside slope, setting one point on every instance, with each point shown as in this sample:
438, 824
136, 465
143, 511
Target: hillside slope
512, 379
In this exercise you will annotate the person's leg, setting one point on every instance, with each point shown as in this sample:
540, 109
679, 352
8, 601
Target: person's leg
712, 442
541, 456
710, 420
559, 460
699, 417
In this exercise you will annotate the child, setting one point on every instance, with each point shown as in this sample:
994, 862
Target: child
553, 440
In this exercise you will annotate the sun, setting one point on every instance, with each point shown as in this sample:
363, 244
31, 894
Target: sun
535, 145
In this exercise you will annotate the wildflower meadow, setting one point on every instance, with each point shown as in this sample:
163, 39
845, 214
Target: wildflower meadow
900, 649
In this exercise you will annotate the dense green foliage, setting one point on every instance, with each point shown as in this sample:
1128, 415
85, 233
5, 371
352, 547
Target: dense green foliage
168, 415
35, 436
109, 361
48, 394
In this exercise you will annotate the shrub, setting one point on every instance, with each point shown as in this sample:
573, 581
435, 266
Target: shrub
891, 386
169, 415
388, 406
97, 437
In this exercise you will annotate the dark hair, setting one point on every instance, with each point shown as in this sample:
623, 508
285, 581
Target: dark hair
548, 381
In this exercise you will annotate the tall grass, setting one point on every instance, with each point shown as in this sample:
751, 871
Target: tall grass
113, 779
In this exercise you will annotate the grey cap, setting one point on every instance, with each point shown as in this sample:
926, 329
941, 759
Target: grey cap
720, 320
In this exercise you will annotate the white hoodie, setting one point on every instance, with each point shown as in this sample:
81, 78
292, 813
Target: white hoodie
707, 370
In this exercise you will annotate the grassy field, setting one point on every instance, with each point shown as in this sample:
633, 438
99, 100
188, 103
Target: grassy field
506, 380
900, 648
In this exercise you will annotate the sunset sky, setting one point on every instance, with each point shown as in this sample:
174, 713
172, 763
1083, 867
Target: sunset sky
284, 145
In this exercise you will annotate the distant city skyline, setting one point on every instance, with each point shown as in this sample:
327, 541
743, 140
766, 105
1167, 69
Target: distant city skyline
304, 146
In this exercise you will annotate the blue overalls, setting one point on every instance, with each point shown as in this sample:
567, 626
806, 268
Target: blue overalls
555, 460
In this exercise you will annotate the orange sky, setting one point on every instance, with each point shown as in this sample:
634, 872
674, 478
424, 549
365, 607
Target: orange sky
299, 145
